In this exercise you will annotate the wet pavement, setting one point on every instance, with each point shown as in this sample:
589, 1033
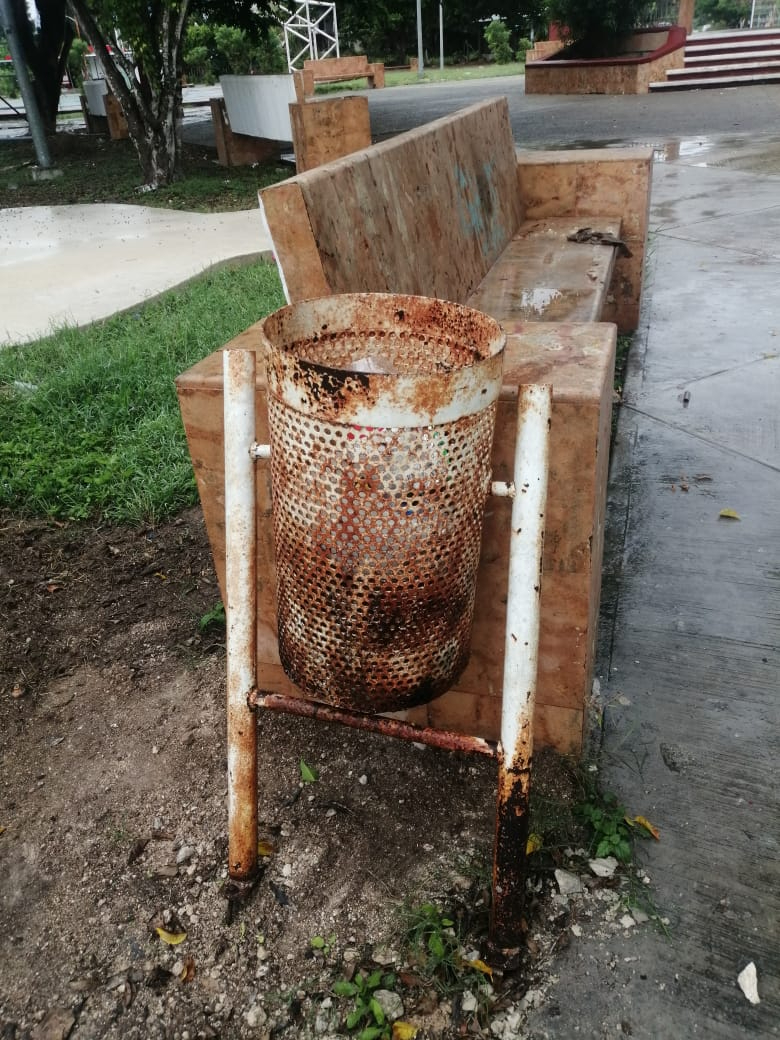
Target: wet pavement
689, 664
75, 264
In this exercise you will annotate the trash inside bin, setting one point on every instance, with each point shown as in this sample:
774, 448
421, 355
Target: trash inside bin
381, 414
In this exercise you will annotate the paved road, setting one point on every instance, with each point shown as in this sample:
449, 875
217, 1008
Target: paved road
542, 121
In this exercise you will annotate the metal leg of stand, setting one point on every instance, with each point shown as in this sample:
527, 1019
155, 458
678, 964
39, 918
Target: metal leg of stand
534, 405
240, 610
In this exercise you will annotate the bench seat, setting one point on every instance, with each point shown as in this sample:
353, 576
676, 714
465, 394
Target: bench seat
543, 276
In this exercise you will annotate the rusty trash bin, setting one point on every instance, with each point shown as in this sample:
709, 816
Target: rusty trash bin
381, 415
381, 411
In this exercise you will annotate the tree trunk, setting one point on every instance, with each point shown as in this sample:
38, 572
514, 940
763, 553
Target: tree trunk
45, 53
149, 91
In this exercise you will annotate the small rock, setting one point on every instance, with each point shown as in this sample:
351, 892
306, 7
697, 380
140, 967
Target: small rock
185, 854
363, 780
468, 1002
255, 1016
287, 870
533, 998
603, 867
576, 929
56, 1024
382, 955
507, 1025
748, 983
390, 1003
627, 921
640, 916
568, 884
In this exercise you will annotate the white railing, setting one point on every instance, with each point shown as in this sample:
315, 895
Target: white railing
764, 14
660, 12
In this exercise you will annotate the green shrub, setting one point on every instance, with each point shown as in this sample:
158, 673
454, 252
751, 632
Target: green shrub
78, 50
523, 46
497, 39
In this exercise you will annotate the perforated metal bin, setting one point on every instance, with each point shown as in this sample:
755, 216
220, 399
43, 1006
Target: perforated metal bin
381, 413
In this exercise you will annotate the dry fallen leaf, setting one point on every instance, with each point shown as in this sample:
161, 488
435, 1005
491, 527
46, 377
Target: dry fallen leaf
187, 973
265, 848
171, 938
404, 1031
481, 966
729, 514
533, 844
642, 821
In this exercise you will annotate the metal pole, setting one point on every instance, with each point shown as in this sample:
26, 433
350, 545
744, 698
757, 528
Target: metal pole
521, 654
40, 143
441, 36
752, 13
419, 40
240, 609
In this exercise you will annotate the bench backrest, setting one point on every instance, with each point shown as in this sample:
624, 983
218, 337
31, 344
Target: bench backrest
337, 68
427, 212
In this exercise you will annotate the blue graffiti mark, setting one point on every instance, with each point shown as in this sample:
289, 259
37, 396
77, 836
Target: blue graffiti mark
479, 206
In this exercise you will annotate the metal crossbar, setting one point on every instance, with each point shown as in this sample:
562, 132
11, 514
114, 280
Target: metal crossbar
312, 28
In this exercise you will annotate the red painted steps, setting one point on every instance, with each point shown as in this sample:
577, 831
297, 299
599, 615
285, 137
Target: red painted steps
726, 59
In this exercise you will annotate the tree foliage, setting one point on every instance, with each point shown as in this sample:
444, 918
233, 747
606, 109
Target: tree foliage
387, 29
596, 28
139, 44
212, 50
723, 14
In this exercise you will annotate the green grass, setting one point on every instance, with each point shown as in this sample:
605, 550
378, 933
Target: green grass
89, 421
95, 169
431, 74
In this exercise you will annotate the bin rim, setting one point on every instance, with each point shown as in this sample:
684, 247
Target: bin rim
382, 399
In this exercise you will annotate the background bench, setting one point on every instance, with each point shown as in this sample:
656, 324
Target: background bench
448, 210
337, 70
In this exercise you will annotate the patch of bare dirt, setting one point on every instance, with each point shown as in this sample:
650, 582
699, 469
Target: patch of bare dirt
113, 817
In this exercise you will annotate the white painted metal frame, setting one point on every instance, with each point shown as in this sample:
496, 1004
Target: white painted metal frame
528, 492
307, 28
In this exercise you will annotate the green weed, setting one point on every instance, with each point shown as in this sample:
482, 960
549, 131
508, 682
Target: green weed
214, 617
367, 1014
610, 833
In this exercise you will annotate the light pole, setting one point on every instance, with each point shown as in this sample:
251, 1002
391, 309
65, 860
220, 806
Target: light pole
441, 35
25, 86
419, 40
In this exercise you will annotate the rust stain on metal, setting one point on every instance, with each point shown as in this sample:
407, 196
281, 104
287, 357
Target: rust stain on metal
377, 525
509, 863
373, 723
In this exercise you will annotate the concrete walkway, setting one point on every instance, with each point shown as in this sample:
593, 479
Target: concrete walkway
689, 660
75, 264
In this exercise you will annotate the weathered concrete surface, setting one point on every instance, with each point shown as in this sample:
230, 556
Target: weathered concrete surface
691, 627
76, 264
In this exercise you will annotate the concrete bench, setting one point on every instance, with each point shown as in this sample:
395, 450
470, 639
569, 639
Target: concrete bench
337, 70
449, 211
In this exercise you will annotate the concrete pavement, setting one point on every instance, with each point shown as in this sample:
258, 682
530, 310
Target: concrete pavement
76, 264
689, 661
